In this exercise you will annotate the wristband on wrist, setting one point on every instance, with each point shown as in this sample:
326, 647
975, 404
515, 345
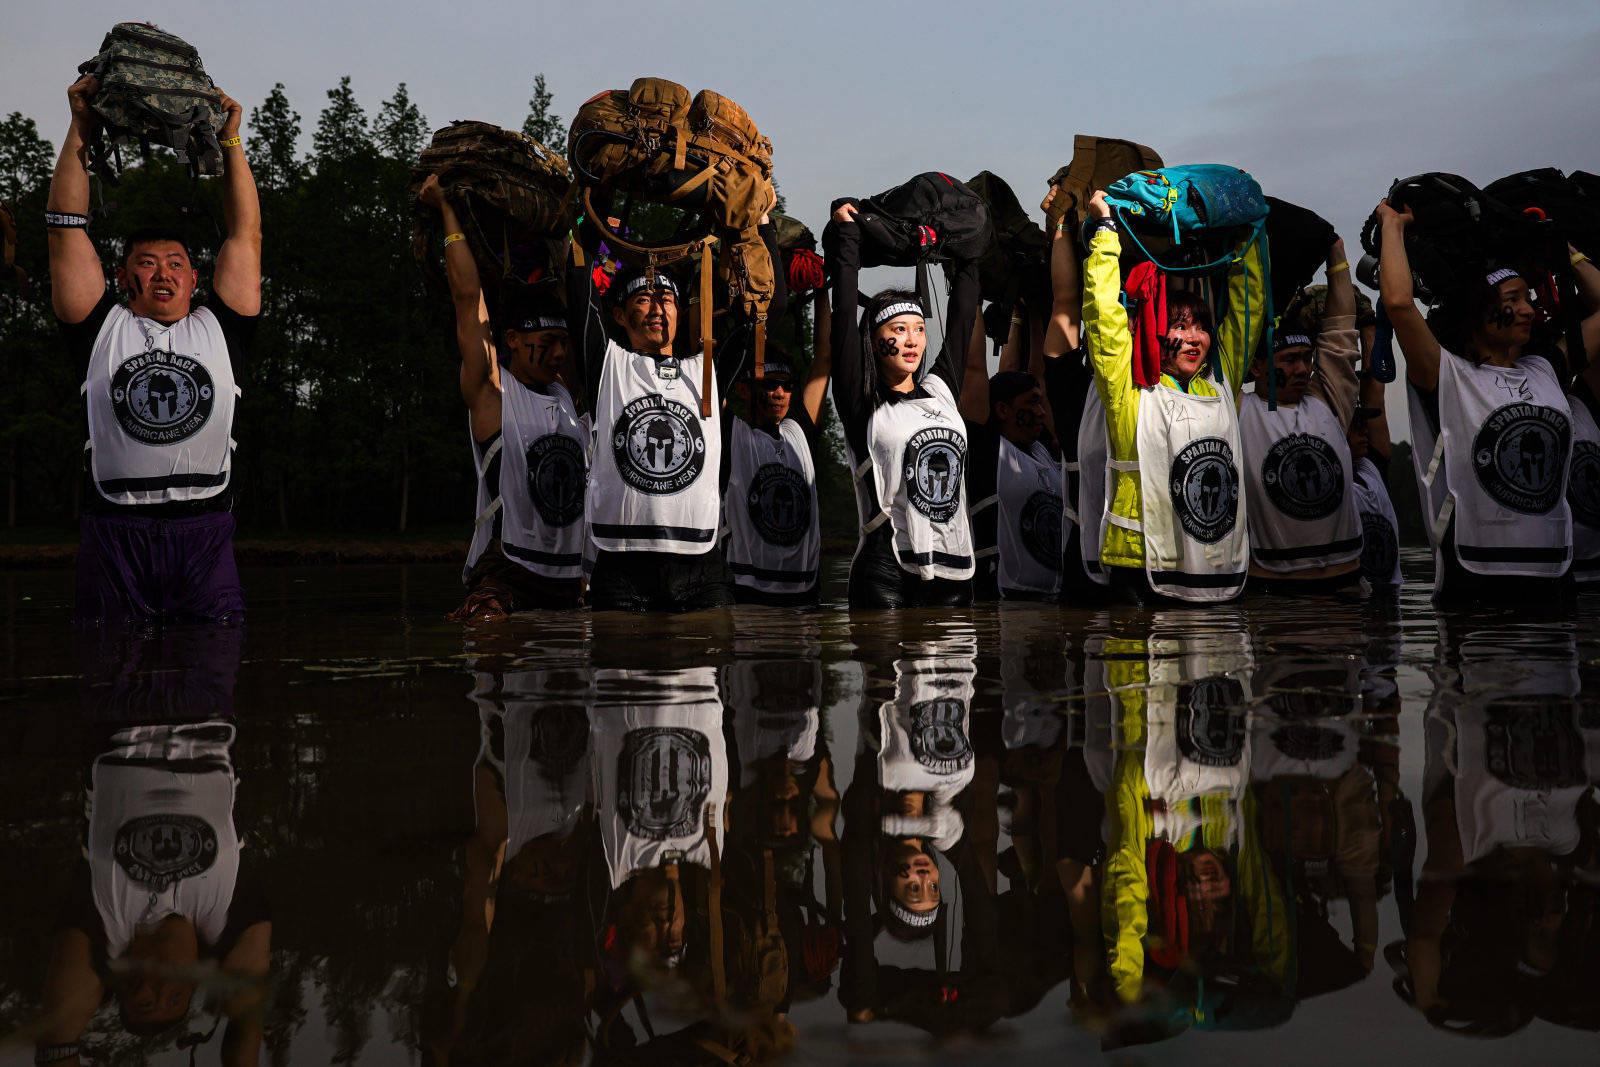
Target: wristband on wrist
1336, 268
232, 142
451, 238
55, 1053
1106, 223
1578, 257
65, 220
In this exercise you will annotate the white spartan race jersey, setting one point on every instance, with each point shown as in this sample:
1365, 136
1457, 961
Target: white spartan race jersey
774, 539
653, 484
1094, 485
1380, 529
1583, 493
1498, 467
1196, 540
1301, 505
1308, 725
925, 746
1028, 524
160, 402
660, 768
161, 834
777, 710
912, 478
546, 755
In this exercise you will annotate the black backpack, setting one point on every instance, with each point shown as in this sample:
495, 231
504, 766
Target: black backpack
1571, 204
1018, 265
1299, 240
931, 218
1459, 232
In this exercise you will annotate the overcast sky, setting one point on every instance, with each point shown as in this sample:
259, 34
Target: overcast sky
1324, 103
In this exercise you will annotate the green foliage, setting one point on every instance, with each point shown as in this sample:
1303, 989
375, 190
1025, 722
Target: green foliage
25, 157
274, 142
401, 131
342, 130
542, 124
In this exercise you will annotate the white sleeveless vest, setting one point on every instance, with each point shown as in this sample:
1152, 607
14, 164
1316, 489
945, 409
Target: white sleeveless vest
1498, 467
658, 768
546, 757
1028, 526
543, 473
653, 481
1380, 529
1196, 540
777, 709
925, 746
160, 401
161, 834
1093, 500
486, 514
774, 540
912, 478
1297, 466
1583, 493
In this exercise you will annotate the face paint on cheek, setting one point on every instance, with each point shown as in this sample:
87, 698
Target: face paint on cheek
1502, 317
135, 286
885, 347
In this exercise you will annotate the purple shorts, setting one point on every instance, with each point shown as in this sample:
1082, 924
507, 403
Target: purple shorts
137, 569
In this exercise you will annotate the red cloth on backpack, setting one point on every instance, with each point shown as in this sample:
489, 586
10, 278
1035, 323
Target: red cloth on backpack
1147, 289
1168, 907
805, 271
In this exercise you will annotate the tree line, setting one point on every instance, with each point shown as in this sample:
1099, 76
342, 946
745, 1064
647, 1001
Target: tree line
349, 418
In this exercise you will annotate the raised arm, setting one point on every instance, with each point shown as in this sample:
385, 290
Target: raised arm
961, 314
974, 393
237, 279
1338, 343
1378, 440
1417, 342
480, 375
815, 391
1589, 288
1063, 332
1105, 320
586, 329
72, 990
849, 370
77, 280
250, 957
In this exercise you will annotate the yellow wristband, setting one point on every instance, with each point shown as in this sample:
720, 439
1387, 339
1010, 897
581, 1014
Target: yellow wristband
232, 142
1337, 268
451, 238
1578, 257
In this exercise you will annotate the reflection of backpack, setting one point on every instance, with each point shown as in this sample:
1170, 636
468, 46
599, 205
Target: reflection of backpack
932, 217
1018, 264
507, 189
153, 90
703, 156
754, 973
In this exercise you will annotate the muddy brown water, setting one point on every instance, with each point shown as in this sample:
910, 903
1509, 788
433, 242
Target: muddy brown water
1282, 827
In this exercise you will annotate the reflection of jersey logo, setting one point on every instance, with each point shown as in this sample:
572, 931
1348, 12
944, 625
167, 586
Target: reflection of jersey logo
1211, 721
1380, 548
1303, 476
658, 445
665, 776
1534, 745
1583, 487
938, 737
158, 850
1204, 484
779, 502
932, 464
1308, 741
161, 397
556, 478
558, 738
1520, 454
1041, 528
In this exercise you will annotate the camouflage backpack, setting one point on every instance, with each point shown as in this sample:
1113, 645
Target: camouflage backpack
509, 191
153, 90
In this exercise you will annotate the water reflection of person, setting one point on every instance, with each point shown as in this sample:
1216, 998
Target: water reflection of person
905, 812
516, 965
163, 902
1511, 823
1193, 918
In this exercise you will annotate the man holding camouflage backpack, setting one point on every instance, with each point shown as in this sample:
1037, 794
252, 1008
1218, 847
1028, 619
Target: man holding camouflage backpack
157, 534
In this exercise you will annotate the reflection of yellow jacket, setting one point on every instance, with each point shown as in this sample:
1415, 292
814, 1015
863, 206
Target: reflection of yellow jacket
1110, 344
1125, 889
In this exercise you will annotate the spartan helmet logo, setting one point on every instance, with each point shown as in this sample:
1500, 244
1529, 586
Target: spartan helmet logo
1041, 528
161, 397
932, 465
779, 504
1211, 721
664, 775
1204, 484
158, 850
1534, 743
1303, 476
1380, 548
658, 445
1520, 456
1583, 486
556, 477
938, 735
